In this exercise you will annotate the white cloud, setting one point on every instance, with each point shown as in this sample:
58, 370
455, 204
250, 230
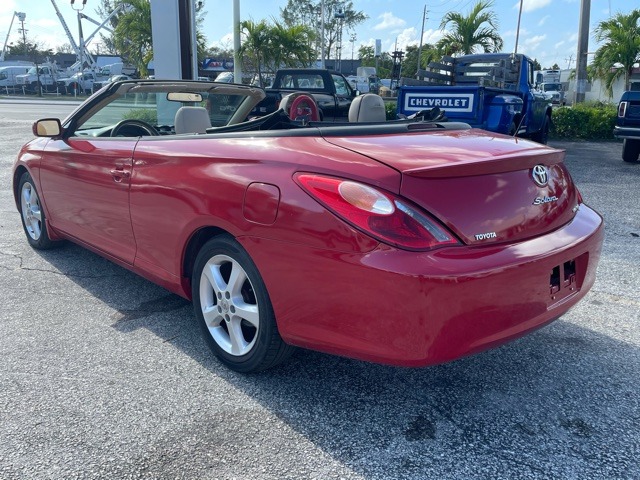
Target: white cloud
531, 5
512, 33
7, 7
543, 20
559, 44
47, 23
225, 42
389, 21
535, 41
530, 46
432, 36
409, 36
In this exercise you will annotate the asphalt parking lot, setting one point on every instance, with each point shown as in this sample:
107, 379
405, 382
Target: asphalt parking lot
105, 375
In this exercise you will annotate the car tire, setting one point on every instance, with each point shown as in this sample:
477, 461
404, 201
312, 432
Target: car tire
630, 150
32, 214
542, 136
233, 308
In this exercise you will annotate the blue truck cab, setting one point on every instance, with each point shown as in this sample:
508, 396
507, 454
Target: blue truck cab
627, 126
492, 91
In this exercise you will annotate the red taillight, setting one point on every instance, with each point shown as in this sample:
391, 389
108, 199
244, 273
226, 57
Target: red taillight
382, 215
622, 109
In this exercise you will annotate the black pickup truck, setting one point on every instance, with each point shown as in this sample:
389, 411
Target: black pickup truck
331, 91
628, 125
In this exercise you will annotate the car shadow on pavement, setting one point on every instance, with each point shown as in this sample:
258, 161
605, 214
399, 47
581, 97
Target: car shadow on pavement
560, 403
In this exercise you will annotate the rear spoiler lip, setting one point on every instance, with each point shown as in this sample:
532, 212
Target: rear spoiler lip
509, 162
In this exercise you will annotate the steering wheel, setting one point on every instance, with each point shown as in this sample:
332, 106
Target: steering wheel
133, 128
304, 107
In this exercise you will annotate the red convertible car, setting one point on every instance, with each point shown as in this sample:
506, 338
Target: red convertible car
407, 242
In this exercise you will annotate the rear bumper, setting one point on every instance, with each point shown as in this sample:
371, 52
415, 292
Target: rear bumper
415, 309
627, 132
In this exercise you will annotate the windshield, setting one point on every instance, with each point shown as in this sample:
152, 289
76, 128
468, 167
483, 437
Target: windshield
33, 71
487, 69
551, 87
306, 80
152, 106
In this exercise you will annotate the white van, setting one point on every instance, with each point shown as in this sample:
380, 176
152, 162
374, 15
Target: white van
8, 75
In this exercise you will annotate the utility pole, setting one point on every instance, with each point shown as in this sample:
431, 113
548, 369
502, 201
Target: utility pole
583, 48
424, 17
352, 39
237, 58
515, 50
22, 18
569, 60
322, 64
80, 34
339, 15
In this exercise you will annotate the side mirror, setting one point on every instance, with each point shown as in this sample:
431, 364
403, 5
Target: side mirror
47, 127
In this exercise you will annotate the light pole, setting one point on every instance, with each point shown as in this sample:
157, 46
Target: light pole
424, 17
322, 64
237, 58
339, 15
352, 39
21, 18
515, 50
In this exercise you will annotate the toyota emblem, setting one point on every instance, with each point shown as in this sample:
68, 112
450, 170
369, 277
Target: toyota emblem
540, 175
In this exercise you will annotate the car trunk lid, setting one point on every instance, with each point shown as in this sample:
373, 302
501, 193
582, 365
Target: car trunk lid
485, 188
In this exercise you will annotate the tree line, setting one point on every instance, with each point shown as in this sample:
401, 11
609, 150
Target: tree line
293, 40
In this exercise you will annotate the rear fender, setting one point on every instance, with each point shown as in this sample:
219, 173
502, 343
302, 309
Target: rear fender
501, 113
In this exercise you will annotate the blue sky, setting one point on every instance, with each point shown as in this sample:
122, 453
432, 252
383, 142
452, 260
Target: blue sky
548, 30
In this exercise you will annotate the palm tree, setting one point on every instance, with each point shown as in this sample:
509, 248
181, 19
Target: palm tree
256, 43
621, 47
132, 31
291, 46
132, 34
478, 29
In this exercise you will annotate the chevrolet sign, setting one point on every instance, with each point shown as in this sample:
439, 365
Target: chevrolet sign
452, 102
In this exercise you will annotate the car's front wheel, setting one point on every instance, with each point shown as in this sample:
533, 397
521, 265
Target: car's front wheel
32, 214
233, 308
630, 150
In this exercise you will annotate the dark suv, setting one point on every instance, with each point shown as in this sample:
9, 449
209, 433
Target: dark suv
628, 125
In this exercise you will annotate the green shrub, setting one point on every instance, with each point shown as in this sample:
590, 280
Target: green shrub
145, 114
390, 109
588, 121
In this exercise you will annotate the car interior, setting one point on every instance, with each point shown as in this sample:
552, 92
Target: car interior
156, 108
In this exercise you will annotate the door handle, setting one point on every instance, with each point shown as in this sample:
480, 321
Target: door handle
118, 174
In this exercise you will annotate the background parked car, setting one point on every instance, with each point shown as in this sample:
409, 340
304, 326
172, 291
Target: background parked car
111, 79
224, 77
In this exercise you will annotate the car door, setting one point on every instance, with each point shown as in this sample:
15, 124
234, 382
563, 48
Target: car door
86, 185
536, 102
